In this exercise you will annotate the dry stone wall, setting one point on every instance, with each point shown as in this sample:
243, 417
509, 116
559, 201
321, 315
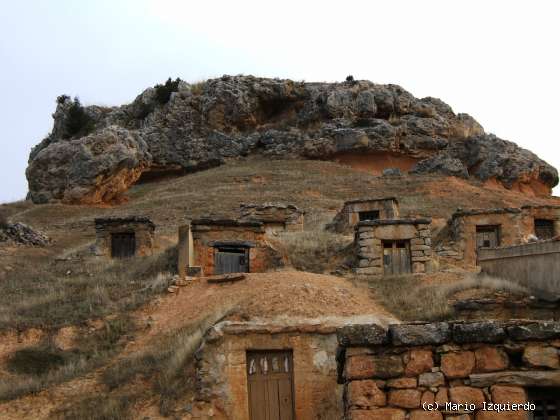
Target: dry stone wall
454, 370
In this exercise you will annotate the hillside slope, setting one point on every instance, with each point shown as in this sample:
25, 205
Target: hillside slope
94, 154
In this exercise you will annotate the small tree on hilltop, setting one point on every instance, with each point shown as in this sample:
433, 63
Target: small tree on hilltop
78, 122
163, 92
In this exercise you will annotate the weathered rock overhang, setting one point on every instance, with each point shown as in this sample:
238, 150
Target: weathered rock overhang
394, 372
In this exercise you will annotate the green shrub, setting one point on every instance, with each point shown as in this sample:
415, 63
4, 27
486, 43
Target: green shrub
163, 92
78, 122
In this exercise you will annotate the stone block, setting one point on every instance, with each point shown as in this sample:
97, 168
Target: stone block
359, 367
468, 395
417, 253
369, 271
478, 332
365, 242
424, 233
366, 235
428, 397
402, 383
490, 359
457, 365
418, 267
425, 415
419, 334
417, 241
420, 247
431, 379
504, 415
362, 335
381, 367
541, 356
405, 398
428, 241
503, 394
378, 414
418, 361
536, 331
365, 394
420, 259
442, 396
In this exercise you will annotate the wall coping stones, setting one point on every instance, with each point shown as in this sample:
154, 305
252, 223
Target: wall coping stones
478, 332
384, 222
473, 212
535, 331
226, 223
368, 200
362, 335
114, 221
541, 206
436, 333
419, 334
264, 206
233, 242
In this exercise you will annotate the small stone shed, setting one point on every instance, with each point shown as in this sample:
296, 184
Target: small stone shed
121, 237
231, 246
276, 217
454, 370
483, 228
255, 371
355, 211
393, 247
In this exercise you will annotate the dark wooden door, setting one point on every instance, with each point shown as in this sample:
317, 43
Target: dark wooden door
270, 382
231, 260
487, 236
123, 245
547, 403
396, 257
368, 215
544, 229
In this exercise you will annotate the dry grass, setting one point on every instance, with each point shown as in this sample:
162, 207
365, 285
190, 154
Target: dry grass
99, 407
40, 367
408, 300
170, 361
55, 294
315, 251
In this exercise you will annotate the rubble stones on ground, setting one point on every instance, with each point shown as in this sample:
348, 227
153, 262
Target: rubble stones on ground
21, 234
203, 125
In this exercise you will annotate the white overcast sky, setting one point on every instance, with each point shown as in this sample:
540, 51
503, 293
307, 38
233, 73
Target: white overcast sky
496, 60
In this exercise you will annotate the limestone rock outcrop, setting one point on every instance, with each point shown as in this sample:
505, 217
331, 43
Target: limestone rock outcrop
205, 124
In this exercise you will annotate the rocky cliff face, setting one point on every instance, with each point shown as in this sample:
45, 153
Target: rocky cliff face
203, 125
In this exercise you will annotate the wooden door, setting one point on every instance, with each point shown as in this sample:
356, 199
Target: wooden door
487, 237
396, 257
547, 403
270, 383
231, 260
123, 245
544, 229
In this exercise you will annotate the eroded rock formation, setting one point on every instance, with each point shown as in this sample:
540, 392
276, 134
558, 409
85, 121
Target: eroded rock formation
203, 125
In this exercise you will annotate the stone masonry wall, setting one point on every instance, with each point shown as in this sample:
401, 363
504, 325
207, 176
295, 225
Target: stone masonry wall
348, 217
288, 216
261, 255
369, 238
516, 224
221, 379
142, 227
443, 370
